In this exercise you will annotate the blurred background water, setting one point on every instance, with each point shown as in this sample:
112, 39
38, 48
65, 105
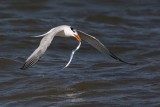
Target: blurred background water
131, 29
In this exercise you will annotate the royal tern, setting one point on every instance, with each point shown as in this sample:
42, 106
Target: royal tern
66, 31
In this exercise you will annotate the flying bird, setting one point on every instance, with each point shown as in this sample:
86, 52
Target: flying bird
66, 31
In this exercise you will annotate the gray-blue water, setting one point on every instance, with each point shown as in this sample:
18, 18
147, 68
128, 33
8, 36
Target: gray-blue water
130, 29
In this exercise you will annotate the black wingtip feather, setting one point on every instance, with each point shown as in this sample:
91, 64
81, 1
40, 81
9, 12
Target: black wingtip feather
29, 63
24, 67
115, 57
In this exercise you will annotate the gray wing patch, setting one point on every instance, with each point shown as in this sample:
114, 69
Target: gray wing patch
32, 60
36, 55
99, 46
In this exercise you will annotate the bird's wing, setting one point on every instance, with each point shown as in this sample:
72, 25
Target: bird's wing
99, 46
36, 55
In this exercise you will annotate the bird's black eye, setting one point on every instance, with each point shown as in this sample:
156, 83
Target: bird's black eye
73, 29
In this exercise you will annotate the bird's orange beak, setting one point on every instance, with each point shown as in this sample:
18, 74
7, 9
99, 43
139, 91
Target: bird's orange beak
77, 37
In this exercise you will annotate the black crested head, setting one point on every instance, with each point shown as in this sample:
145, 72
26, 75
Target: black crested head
73, 29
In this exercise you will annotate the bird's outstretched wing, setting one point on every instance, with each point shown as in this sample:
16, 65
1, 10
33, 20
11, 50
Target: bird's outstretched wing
35, 56
99, 46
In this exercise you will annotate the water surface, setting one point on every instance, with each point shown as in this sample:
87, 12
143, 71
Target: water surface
131, 29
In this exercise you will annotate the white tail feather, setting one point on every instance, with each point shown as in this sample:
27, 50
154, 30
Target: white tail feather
45, 33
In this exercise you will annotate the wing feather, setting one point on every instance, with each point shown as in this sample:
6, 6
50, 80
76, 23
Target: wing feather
37, 54
99, 46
